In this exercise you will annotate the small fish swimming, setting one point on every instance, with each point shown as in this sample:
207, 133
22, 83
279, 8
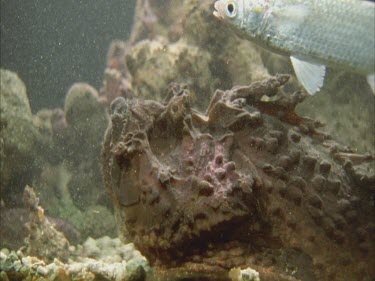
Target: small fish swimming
314, 33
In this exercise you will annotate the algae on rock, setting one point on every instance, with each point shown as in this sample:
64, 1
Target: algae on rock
154, 64
20, 140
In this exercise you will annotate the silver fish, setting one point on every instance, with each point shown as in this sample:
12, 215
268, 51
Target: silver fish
314, 33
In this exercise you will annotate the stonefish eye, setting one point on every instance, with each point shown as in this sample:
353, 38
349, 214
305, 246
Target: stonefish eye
231, 9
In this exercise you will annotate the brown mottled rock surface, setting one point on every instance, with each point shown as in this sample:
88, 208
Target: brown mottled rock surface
235, 186
43, 241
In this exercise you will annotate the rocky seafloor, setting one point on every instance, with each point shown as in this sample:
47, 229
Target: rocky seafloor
192, 162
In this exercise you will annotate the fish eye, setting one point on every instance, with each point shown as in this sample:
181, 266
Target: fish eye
231, 10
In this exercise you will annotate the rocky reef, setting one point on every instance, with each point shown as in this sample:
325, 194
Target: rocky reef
48, 255
58, 152
185, 45
210, 180
247, 182
20, 140
102, 259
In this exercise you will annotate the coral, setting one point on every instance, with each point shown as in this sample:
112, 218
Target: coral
103, 258
81, 105
70, 184
202, 182
112, 261
95, 220
98, 221
248, 274
57, 151
20, 140
115, 85
186, 45
236, 186
110, 250
43, 241
81, 141
117, 81
144, 21
13, 231
154, 64
14, 96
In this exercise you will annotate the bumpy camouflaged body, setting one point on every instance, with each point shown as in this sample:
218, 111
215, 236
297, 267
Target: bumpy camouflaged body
201, 193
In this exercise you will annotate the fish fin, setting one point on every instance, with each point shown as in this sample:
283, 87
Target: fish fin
371, 82
310, 75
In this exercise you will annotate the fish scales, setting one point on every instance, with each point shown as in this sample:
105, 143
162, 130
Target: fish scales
314, 33
332, 31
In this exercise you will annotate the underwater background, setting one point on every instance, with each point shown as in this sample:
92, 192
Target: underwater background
59, 43
144, 140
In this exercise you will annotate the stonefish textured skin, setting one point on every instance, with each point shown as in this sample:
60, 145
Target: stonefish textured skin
234, 187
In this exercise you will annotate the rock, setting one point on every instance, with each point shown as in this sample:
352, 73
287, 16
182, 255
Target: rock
13, 231
80, 143
185, 46
154, 64
43, 241
20, 140
70, 185
98, 221
132, 266
248, 274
